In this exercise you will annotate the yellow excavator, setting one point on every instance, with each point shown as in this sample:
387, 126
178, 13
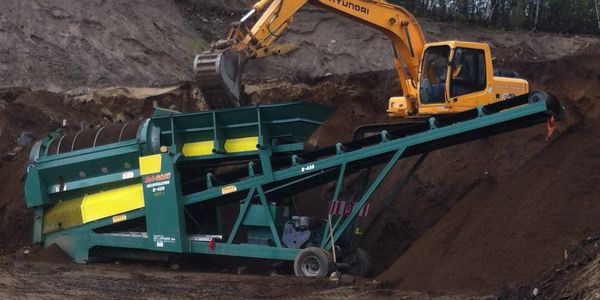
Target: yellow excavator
436, 78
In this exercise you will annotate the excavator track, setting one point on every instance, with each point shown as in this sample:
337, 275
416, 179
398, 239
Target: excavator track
555, 109
218, 75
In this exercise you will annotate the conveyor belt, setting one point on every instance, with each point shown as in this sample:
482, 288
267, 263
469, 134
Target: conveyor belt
489, 112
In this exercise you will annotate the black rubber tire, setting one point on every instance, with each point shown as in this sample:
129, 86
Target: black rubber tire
363, 264
538, 96
554, 106
313, 262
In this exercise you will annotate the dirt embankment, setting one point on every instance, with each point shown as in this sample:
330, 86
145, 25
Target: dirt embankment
514, 229
70, 44
59, 45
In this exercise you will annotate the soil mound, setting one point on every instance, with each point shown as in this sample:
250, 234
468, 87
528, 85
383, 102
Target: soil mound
512, 230
52, 254
518, 227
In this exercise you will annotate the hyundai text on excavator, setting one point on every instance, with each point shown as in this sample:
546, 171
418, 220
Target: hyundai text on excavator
436, 79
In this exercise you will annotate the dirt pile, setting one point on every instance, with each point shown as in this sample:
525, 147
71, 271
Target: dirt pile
513, 229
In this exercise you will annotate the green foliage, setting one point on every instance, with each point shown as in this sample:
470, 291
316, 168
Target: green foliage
561, 16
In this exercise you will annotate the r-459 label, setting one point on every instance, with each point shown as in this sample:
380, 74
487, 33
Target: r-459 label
307, 168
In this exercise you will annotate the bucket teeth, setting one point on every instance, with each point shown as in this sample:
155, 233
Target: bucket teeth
218, 75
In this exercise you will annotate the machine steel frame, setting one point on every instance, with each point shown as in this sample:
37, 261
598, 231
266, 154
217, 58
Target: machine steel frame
165, 220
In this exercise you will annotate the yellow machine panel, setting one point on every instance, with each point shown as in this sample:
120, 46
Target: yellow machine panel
63, 215
506, 88
150, 164
198, 148
241, 144
93, 207
113, 202
231, 146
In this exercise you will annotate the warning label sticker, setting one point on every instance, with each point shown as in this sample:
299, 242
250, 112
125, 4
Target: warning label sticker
160, 240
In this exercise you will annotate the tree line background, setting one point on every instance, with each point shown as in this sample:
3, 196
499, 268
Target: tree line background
559, 16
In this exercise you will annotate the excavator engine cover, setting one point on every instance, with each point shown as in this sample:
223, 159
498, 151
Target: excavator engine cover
219, 77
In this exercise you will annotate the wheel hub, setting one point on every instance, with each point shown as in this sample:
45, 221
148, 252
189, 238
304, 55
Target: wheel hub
311, 266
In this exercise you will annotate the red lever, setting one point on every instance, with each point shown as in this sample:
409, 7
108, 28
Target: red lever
550, 127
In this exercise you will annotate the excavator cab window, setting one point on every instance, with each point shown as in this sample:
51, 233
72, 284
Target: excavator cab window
468, 72
433, 75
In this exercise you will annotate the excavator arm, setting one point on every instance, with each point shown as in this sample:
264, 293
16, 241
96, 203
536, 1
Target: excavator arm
276, 15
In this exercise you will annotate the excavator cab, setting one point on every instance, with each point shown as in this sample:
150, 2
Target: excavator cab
466, 68
433, 75
455, 76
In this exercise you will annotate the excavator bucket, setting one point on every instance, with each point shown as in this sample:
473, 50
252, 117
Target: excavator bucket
219, 77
